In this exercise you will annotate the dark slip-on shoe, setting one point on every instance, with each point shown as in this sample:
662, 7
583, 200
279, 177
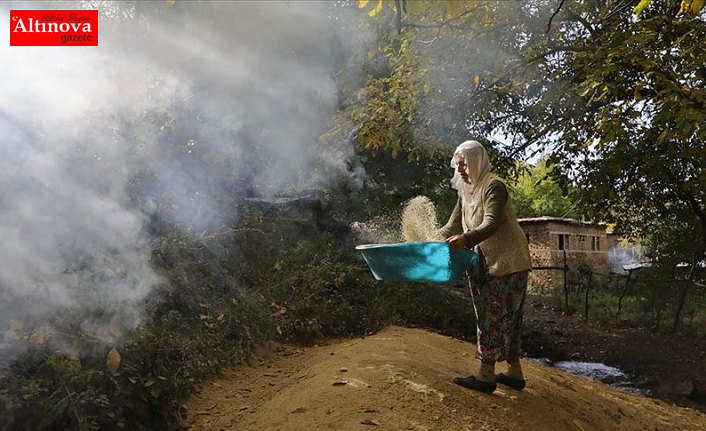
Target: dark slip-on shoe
472, 383
516, 384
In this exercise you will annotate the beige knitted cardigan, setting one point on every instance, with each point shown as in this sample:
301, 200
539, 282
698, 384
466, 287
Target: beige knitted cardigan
506, 250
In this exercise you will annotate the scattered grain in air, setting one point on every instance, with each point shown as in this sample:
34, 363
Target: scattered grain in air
419, 221
383, 229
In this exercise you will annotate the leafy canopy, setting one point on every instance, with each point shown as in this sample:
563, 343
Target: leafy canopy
537, 194
614, 96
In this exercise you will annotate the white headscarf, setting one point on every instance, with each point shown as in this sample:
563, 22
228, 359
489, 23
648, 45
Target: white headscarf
477, 167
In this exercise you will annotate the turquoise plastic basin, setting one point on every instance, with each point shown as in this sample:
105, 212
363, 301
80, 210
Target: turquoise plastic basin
433, 262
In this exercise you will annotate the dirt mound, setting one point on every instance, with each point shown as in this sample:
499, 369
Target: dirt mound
400, 379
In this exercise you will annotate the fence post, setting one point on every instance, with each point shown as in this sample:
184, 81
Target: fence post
622, 294
682, 296
566, 288
588, 289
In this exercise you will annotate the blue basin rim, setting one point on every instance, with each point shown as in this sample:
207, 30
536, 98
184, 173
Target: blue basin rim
433, 262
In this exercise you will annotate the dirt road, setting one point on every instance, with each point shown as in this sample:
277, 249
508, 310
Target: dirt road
400, 379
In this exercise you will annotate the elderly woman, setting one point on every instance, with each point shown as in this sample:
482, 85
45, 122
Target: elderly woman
484, 219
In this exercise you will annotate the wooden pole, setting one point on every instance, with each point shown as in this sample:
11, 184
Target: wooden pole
682, 296
622, 294
566, 288
588, 288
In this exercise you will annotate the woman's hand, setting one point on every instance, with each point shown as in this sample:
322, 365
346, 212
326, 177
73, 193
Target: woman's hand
457, 242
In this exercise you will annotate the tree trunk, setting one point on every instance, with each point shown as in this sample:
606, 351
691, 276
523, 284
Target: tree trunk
588, 289
622, 294
682, 296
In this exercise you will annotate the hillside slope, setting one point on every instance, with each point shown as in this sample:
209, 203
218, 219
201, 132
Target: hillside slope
400, 379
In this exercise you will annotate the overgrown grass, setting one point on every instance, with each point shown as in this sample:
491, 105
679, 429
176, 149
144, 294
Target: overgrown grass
651, 300
266, 279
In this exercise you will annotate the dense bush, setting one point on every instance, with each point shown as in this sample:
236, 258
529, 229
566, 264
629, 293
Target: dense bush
268, 277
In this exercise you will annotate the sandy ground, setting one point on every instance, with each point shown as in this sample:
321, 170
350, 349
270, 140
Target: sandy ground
401, 379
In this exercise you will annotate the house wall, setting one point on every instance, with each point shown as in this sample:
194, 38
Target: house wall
580, 245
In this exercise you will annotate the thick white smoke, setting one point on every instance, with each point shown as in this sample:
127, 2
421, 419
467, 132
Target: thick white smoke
176, 112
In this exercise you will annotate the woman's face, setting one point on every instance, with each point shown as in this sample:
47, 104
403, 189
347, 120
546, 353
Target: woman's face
461, 168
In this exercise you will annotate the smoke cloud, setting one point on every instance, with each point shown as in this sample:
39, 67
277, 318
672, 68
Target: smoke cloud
180, 110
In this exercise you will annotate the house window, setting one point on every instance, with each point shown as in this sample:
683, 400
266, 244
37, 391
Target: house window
563, 241
581, 239
595, 243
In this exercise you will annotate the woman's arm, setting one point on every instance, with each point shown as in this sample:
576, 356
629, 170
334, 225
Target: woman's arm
494, 203
453, 226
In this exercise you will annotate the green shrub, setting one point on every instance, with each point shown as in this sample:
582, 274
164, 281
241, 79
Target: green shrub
265, 279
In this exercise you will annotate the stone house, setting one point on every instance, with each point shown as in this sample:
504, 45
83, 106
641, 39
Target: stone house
555, 241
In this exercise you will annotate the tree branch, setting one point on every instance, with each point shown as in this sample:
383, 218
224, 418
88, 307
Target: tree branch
686, 195
509, 71
626, 4
549, 25
443, 20
530, 141
578, 18
551, 43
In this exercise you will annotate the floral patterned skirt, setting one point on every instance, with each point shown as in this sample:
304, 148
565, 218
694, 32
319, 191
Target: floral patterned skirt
499, 305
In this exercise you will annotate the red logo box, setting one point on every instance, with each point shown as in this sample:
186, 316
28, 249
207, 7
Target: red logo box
53, 27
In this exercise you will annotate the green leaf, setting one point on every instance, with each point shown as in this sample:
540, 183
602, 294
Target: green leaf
377, 9
641, 6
